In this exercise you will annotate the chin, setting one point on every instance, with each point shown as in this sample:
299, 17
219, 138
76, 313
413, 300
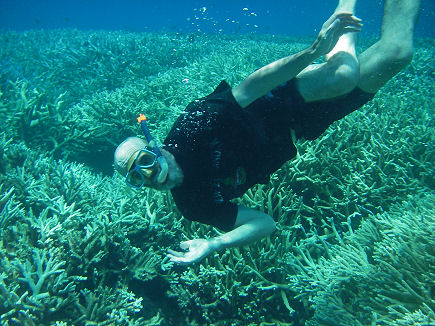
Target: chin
174, 177
168, 184
161, 187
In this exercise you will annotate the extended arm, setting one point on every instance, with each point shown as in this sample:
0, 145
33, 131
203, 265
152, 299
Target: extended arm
276, 73
250, 226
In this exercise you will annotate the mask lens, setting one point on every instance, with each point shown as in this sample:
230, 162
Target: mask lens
146, 159
143, 169
134, 178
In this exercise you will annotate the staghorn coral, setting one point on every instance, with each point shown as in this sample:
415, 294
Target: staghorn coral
103, 80
79, 62
44, 288
380, 274
11, 210
73, 95
91, 251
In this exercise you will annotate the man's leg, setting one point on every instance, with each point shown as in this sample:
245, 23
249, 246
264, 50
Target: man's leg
393, 51
339, 74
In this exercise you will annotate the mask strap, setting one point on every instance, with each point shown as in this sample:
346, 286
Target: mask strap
164, 169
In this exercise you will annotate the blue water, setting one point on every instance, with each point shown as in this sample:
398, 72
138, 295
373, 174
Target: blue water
225, 16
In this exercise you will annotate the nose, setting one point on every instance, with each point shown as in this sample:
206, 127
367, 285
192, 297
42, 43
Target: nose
147, 173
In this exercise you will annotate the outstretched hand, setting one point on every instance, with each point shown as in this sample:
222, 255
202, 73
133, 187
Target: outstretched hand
197, 249
337, 25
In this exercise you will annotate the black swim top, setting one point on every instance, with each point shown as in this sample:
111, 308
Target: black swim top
223, 150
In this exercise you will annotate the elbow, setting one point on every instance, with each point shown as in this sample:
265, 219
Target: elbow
241, 96
258, 223
273, 227
269, 225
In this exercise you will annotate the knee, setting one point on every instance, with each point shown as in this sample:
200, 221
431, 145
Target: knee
402, 55
399, 54
347, 78
346, 73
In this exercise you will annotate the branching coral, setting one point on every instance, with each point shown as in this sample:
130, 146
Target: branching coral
117, 305
45, 291
380, 274
46, 216
353, 242
9, 209
37, 277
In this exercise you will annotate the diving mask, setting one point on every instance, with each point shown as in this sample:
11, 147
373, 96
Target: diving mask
142, 169
144, 166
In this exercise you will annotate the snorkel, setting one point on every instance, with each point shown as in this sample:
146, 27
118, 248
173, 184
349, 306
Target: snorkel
152, 143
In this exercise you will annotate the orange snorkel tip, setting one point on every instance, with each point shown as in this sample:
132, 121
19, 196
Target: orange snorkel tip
141, 118
160, 159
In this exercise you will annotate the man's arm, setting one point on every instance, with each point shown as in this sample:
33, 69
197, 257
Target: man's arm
276, 73
250, 226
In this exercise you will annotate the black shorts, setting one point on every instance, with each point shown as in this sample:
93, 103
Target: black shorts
285, 107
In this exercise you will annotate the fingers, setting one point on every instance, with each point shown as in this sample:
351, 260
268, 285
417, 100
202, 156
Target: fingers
178, 260
351, 30
177, 257
195, 250
349, 21
343, 23
343, 15
345, 19
180, 257
185, 245
175, 253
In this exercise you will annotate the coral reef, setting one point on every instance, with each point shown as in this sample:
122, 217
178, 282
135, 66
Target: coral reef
355, 209
379, 274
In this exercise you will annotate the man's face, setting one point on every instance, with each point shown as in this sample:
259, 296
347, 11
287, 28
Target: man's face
144, 169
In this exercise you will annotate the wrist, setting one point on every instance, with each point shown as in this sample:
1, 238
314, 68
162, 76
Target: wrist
216, 244
313, 51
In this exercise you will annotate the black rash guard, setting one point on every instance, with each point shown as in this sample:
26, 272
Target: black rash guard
224, 149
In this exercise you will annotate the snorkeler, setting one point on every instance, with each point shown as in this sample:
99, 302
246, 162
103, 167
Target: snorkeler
234, 138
